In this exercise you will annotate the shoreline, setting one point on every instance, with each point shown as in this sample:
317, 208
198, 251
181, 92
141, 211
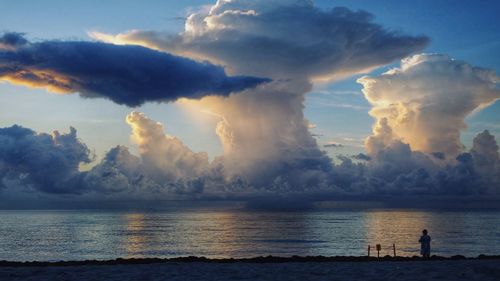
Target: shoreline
257, 260
457, 268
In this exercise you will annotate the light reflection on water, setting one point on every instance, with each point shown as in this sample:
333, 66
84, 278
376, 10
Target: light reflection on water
78, 235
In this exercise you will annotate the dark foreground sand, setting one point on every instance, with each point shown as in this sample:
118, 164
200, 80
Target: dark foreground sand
200, 270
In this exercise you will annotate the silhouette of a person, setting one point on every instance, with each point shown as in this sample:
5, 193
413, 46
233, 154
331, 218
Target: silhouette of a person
425, 244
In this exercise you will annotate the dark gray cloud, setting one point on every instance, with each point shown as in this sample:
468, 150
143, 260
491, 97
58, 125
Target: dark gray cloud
362, 156
439, 155
11, 41
43, 162
129, 75
485, 152
333, 145
396, 170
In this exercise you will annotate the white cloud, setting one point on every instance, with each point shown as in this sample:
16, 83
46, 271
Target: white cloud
165, 157
424, 102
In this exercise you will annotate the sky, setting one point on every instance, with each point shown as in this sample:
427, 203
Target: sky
296, 97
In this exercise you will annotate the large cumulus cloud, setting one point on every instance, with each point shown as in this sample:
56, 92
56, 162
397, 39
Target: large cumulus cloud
266, 139
420, 110
166, 154
164, 165
129, 75
282, 39
425, 102
263, 131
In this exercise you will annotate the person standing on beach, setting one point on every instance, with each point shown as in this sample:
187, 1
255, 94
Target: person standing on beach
425, 244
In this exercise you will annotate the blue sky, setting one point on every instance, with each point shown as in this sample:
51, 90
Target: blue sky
465, 30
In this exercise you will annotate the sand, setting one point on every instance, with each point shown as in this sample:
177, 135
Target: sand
368, 270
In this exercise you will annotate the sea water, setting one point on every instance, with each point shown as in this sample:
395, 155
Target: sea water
81, 235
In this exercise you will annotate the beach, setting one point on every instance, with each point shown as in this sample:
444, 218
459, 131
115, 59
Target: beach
470, 269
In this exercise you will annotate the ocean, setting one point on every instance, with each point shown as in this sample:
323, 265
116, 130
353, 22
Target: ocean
94, 234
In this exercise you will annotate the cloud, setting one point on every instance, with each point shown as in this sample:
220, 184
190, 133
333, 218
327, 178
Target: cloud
420, 109
424, 102
164, 165
263, 131
362, 157
166, 157
41, 162
415, 147
268, 150
49, 164
439, 155
12, 41
282, 39
266, 138
487, 159
312, 125
38, 163
119, 171
333, 145
129, 75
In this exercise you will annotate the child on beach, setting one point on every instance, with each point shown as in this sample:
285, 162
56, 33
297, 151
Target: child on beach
425, 244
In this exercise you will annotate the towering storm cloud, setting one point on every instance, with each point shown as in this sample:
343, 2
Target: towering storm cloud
129, 75
424, 103
419, 109
263, 131
282, 39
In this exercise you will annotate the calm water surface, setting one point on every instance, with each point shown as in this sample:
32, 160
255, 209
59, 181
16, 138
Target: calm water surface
79, 235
